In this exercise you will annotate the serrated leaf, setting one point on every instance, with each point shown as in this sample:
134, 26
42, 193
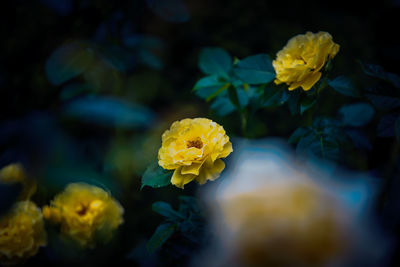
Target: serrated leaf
68, 61
215, 61
344, 86
109, 112
255, 69
165, 209
384, 102
161, 234
156, 177
356, 114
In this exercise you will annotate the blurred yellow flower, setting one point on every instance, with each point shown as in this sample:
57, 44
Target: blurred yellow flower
86, 213
194, 148
295, 219
15, 174
21, 233
300, 62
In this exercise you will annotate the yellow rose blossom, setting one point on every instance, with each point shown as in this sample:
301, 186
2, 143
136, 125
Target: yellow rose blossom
86, 213
300, 62
15, 174
21, 233
194, 148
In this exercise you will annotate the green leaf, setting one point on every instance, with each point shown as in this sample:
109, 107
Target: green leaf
109, 112
161, 234
165, 209
293, 102
306, 103
73, 90
275, 96
215, 61
297, 135
243, 97
378, 72
209, 87
68, 61
383, 102
233, 96
356, 114
344, 86
155, 176
255, 69
223, 105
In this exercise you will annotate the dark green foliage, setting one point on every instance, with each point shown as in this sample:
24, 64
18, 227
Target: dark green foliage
155, 176
255, 69
187, 221
109, 112
343, 85
356, 114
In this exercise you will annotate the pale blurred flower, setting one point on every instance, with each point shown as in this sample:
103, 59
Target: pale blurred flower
271, 210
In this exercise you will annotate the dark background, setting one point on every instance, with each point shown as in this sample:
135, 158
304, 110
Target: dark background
35, 133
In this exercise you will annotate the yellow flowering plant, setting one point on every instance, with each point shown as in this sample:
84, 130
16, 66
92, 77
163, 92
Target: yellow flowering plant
193, 149
300, 62
22, 233
86, 214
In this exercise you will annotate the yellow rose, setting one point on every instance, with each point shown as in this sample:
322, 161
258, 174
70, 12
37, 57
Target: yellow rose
300, 61
21, 233
86, 213
194, 148
15, 174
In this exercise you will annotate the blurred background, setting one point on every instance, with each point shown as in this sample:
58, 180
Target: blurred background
88, 87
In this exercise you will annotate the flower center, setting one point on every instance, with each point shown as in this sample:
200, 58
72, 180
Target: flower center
82, 209
197, 143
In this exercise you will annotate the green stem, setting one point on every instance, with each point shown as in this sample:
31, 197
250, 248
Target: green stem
243, 118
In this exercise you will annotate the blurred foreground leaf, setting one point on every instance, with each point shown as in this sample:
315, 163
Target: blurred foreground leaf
155, 176
109, 112
68, 61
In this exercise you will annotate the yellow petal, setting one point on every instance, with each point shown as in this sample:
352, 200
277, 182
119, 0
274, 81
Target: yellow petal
179, 180
192, 169
310, 81
210, 171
